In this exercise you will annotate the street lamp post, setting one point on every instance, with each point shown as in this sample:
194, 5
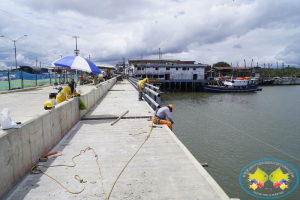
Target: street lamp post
14, 46
76, 50
251, 68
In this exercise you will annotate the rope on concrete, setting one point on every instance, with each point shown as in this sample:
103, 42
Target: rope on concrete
147, 137
37, 170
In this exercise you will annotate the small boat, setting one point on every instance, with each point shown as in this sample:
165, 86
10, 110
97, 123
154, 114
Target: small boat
241, 84
267, 81
277, 80
286, 81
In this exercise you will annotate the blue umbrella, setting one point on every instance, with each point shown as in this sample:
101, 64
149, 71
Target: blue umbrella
78, 63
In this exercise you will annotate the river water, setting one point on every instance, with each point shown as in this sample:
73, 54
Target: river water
229, 131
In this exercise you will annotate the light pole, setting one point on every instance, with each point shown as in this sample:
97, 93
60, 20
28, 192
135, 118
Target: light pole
14, 46
251, 68
76, 50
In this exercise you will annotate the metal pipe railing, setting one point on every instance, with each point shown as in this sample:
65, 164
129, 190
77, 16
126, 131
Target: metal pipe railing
152, 95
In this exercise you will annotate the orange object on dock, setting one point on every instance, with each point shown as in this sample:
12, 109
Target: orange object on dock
50, 154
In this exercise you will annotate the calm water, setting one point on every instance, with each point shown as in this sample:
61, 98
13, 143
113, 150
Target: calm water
229, 131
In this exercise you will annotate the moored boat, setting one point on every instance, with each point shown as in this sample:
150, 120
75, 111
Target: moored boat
245, 84
286, 81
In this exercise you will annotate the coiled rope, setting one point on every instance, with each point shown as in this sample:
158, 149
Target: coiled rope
37, 170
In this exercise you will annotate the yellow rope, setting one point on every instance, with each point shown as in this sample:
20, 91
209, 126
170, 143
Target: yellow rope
132, 157
36, 168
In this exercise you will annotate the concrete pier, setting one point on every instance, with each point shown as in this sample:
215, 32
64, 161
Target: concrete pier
162, 169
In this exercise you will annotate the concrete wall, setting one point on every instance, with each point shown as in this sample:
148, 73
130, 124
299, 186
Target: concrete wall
21, 148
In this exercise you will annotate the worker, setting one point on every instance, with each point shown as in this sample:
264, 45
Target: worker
49, 104
67, 92
73, 82
141, 85
162, 114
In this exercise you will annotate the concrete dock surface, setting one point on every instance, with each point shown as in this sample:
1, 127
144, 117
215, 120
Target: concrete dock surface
162, 169
26, 104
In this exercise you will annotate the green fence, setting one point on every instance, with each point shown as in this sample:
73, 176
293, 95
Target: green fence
20, 79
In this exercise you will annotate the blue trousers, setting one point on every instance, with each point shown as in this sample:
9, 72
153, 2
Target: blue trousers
140, 95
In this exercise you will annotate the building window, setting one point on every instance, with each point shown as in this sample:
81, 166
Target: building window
167, 68
161, 76
142, 68
184, 68
188, 69
138, 68
156, 68
177, 68
194, 68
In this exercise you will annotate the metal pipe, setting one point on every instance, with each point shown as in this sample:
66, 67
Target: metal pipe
119, 118
22, 79
153, 92
8, 78
152, 101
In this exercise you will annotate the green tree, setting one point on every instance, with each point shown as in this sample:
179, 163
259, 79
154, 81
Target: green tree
221, 64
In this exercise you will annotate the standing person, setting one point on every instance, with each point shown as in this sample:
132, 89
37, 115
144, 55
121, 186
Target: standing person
66, 92
141, 85
73, 83
162, 114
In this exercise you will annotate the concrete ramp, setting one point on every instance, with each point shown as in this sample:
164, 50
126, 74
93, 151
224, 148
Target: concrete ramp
162, 169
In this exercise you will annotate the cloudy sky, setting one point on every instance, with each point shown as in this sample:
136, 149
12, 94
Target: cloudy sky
205, 31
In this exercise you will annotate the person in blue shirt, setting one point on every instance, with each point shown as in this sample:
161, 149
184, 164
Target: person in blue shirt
162, 114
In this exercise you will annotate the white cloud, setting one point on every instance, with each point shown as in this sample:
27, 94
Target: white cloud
204, 31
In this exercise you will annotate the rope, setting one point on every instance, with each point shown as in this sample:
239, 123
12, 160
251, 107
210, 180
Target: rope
37, 170
147, 137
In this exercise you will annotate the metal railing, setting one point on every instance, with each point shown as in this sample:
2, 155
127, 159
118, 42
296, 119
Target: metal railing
152, 95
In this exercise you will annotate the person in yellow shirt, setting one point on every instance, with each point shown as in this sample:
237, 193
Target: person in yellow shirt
141, 85
68, 91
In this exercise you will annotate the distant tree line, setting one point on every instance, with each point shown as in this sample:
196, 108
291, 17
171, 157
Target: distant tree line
272, 72
284, 72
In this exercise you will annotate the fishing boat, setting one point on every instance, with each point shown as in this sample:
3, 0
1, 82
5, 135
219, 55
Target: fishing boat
286, 81
241, 84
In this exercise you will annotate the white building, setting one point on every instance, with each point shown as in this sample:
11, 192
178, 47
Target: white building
173, 74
